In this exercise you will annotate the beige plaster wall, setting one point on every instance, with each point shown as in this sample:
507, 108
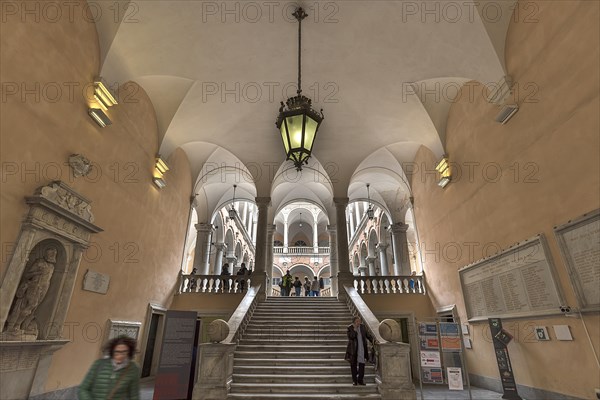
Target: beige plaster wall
549, 161
142, 242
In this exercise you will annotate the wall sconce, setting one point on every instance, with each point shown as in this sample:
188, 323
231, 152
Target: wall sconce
443, 168
506, 113
160, 168
103, 96
99, 116
103, 99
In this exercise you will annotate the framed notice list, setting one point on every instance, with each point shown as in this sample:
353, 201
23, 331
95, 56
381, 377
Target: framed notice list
579, 243
517, 282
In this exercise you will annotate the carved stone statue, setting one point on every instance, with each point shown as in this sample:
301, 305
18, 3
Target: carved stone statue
30, 293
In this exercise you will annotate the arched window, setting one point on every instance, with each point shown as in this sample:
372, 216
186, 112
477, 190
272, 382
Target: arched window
300, 243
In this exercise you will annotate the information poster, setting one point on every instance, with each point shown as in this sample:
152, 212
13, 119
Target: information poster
515, 283
455, 380
579, 243
430, 359
173, 377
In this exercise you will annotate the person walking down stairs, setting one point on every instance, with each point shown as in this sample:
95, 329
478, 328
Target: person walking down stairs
357, 352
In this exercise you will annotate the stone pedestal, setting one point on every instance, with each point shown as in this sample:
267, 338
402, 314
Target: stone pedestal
24, 366
215, 375
394, 379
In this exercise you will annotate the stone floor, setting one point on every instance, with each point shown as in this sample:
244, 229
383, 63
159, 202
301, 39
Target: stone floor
430, 392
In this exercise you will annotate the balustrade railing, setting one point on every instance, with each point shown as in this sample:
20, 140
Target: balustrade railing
300, 250
214, 283
389, 284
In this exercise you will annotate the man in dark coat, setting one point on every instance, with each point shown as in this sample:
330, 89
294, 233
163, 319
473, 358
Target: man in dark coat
357, 350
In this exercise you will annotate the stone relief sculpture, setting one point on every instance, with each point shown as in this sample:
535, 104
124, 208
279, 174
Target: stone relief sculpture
80, 165
32, 290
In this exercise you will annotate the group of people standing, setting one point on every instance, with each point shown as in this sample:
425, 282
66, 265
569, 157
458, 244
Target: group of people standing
310, 288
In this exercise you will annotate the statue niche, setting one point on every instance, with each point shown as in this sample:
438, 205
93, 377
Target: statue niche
22, 323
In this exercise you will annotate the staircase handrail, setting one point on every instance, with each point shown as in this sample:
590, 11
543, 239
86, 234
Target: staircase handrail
242, 314
358, 306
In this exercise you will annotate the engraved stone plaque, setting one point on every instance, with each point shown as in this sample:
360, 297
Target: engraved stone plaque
579, 242
96, 282
518, 282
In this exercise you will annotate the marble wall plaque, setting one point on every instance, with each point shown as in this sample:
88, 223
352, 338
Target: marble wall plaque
96, 282
517, 282
579, 242
127, 328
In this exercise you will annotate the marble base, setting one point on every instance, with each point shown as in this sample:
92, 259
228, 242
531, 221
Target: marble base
24, 366
215, 371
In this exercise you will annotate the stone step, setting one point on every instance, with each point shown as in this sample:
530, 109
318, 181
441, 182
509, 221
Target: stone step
314, 348
309, 341
300, 388
305, 396
275, 338
291, 354
317, 318
292, 362
287, 333
300, 378
298, 369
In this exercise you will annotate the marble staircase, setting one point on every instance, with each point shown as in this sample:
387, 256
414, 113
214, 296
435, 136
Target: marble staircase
293, 349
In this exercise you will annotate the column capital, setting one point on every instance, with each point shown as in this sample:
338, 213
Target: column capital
263, 201
271, 229
221, 246
204, 227
331, 229
398, 227
381, 246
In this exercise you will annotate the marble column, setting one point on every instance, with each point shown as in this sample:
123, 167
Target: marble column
401, 258
243, 214
254, 226
357, 213
382, 250
371, 265
221, 249
315, 236
269, 269
262, 245
333, 261
202, 253
285, 234
343, 256
362, 268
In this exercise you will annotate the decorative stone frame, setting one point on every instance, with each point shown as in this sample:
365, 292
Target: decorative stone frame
58, 217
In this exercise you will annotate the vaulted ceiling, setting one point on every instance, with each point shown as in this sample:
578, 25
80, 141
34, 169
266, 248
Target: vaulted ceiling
216, 72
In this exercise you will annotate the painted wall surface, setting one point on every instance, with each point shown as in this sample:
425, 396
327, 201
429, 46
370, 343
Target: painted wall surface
142, 243
517, 180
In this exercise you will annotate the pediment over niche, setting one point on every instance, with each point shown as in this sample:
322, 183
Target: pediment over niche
59, 208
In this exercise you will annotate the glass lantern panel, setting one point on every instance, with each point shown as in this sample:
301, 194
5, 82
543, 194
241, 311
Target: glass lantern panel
286, 144
310, 132
294, 124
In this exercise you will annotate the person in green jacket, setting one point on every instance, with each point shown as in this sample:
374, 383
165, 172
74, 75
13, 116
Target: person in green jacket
117, 377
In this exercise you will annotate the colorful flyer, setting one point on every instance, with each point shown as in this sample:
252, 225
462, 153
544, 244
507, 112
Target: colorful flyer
429, 342
427, 328
449, 329
432, 375
430, 359
451, 343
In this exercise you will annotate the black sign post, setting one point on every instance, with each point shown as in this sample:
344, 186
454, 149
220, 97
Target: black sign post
501, 339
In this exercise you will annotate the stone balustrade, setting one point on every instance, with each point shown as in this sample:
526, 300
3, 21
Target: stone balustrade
390, 284
300, 250
227, 284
